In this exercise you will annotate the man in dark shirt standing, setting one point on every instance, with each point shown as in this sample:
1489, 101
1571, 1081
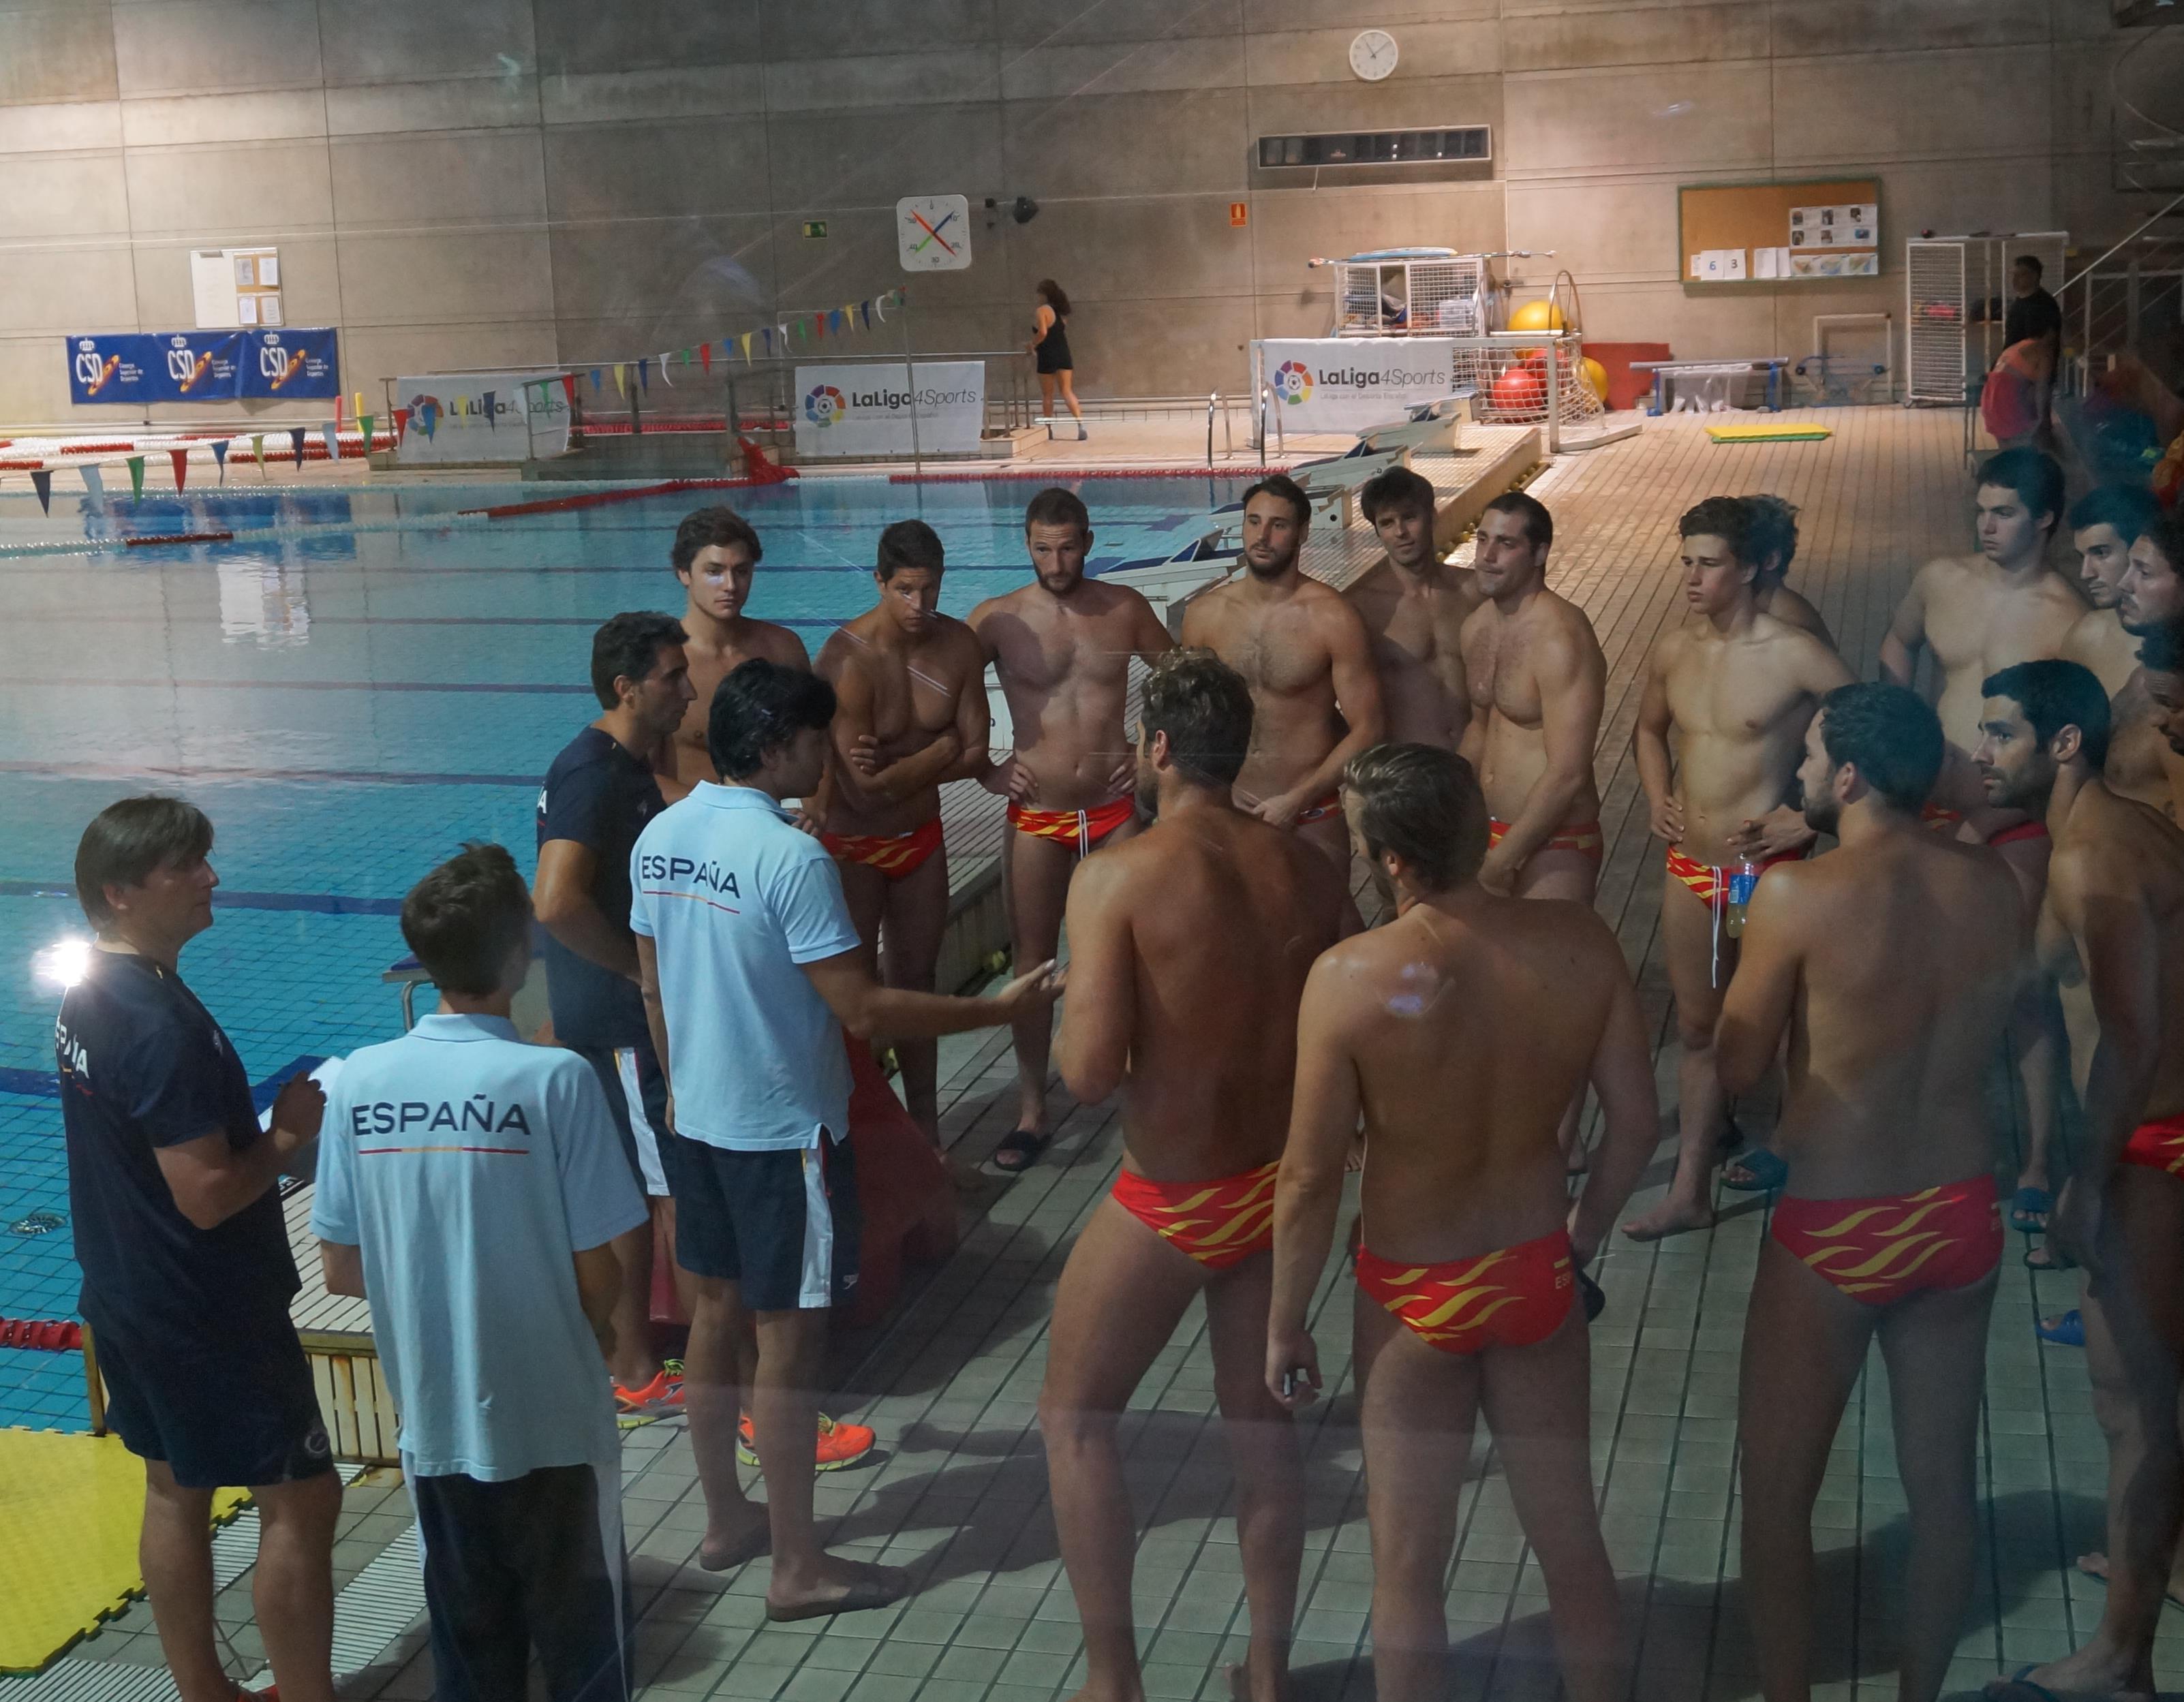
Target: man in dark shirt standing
186, 1271
2033, 314
598, 794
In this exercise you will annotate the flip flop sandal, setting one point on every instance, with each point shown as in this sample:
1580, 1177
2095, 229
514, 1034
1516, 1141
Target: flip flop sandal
1595, 1300
1020, 1150
1767, 1172
2028, 1210
2068, 1330
2044, 1257
856, 1599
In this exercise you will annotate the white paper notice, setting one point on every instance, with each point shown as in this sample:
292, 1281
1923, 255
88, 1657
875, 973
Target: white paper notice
1763, 263
268, 271
1698, 265
1732, 264
245, 308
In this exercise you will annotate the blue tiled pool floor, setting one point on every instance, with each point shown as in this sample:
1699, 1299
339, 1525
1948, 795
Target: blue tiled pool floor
359, 683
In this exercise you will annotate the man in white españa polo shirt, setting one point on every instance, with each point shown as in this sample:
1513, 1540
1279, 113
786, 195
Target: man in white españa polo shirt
471, 1186
752, 968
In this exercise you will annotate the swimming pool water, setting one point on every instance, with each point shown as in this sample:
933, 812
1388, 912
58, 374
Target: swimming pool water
359, 681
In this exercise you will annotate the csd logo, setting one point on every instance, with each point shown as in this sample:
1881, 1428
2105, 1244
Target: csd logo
87, 362
179, 360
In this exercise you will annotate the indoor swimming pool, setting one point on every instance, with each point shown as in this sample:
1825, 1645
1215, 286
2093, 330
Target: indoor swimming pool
359, 682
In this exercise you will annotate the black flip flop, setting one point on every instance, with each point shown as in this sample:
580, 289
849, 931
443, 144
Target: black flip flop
856, 1599
1020, 1150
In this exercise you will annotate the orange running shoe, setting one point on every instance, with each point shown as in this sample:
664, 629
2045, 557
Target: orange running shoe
662, 1398
839, 1444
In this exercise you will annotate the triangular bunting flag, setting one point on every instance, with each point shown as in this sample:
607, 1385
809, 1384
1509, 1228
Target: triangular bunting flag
569, 387
258, 451
219, 448
401, 426
664, 377
181, 459
295, 437
620, 388
595, 380
41, 481
882, 304
94, 481
705, 356
333, 441
644, 375
819, 326
485, 401
367, 420
135, 478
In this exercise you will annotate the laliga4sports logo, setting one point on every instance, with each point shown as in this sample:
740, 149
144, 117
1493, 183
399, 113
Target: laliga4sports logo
1293, 381
823, 405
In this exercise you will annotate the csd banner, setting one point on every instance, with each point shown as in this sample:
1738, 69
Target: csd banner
865, 410
1344, 384
481, 416
139, 368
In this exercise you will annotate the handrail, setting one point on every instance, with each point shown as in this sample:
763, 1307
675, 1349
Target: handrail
2087, 270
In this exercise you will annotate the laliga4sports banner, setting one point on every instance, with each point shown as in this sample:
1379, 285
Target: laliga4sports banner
480, 416
865, 410
1344, 384
138, 368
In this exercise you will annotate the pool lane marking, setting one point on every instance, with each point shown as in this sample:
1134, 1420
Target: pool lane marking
320, 903
340, 776
557, 688
43, 1084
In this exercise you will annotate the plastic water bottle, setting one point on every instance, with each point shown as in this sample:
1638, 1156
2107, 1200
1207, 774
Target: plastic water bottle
1742, 878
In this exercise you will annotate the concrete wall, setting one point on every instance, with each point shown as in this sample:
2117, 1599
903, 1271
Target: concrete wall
468, 182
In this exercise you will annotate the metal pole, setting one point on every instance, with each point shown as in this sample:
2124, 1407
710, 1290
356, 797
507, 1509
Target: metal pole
1555, 393
910, 375
734, 446
1212, 401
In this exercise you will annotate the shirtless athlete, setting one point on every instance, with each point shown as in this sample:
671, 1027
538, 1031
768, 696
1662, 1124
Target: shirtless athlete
1893, 962
1300, 646
1467, 1266
2114, 913
1774, 542
2151, 600
2104, 524
1062, 648
714, 551
1212, 912
910, 693
1538, 682
1738, 688
1414, 609
1978, 614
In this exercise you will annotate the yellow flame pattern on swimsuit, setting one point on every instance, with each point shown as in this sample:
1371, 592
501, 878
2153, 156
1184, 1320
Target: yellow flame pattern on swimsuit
1879, 1246
2157, 1145
1216, 1222
1457, 1300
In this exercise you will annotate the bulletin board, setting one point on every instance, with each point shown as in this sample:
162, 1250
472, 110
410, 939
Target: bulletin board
1814, 230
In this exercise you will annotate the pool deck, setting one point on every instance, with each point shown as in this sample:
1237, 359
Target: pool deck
958, 1491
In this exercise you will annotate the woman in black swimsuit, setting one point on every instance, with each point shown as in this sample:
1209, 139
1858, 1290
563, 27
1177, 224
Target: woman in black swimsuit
1049, 344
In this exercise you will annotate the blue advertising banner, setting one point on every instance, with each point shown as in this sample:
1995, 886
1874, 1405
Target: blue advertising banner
135, 368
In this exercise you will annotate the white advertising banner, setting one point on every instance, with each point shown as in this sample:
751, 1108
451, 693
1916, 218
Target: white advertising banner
865, 410
1347, 383
481, 416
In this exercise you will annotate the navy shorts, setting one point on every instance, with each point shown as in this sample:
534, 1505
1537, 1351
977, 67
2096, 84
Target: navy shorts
641, 1145
782, 1226
237, 1415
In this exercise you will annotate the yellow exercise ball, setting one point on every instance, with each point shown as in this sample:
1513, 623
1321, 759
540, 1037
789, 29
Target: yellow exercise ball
1596, 378
1542, 315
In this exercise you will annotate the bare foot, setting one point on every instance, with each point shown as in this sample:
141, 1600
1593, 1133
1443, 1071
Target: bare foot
2092, 1672
742, 1533
838, 1586
1672, 1216
1240, 1685
2096, 1566
1354, 1159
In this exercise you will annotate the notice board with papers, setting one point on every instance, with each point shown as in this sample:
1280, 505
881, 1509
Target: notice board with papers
1789, 232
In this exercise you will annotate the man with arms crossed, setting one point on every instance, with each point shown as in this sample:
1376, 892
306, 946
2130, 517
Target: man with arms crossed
1414, 612
2115, 914
1538, 682
1468, 1265
1315, 698
1738, 688
1775, 544
1213, 912
1893, 962
476, 1190
910, 688
2106, 525
752, 969
714, 551
1979, 614
598, 794
187, 1273
1061, 647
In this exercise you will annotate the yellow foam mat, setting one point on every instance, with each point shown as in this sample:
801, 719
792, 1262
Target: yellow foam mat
69, 1510
1769, 434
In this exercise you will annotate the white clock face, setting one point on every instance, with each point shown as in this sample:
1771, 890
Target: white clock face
1373, 54
932, 232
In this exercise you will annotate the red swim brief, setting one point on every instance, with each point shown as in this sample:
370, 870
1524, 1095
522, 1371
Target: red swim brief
1512, 1298
1329, 805
1217, 1223
2157, 1145
895, 855
1711, 883
1087, 828
1881, 1250
1585, 837
1934, 815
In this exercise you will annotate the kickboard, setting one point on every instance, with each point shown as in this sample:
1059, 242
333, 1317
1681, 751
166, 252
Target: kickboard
1769, 434
71, 1507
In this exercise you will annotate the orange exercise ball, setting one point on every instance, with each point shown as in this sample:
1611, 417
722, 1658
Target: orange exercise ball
1539, 315
1519, 389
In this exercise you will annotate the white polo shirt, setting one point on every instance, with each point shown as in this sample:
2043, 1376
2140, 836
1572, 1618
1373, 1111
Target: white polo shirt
735, 899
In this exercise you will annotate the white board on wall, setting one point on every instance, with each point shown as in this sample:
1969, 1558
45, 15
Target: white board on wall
221, 279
